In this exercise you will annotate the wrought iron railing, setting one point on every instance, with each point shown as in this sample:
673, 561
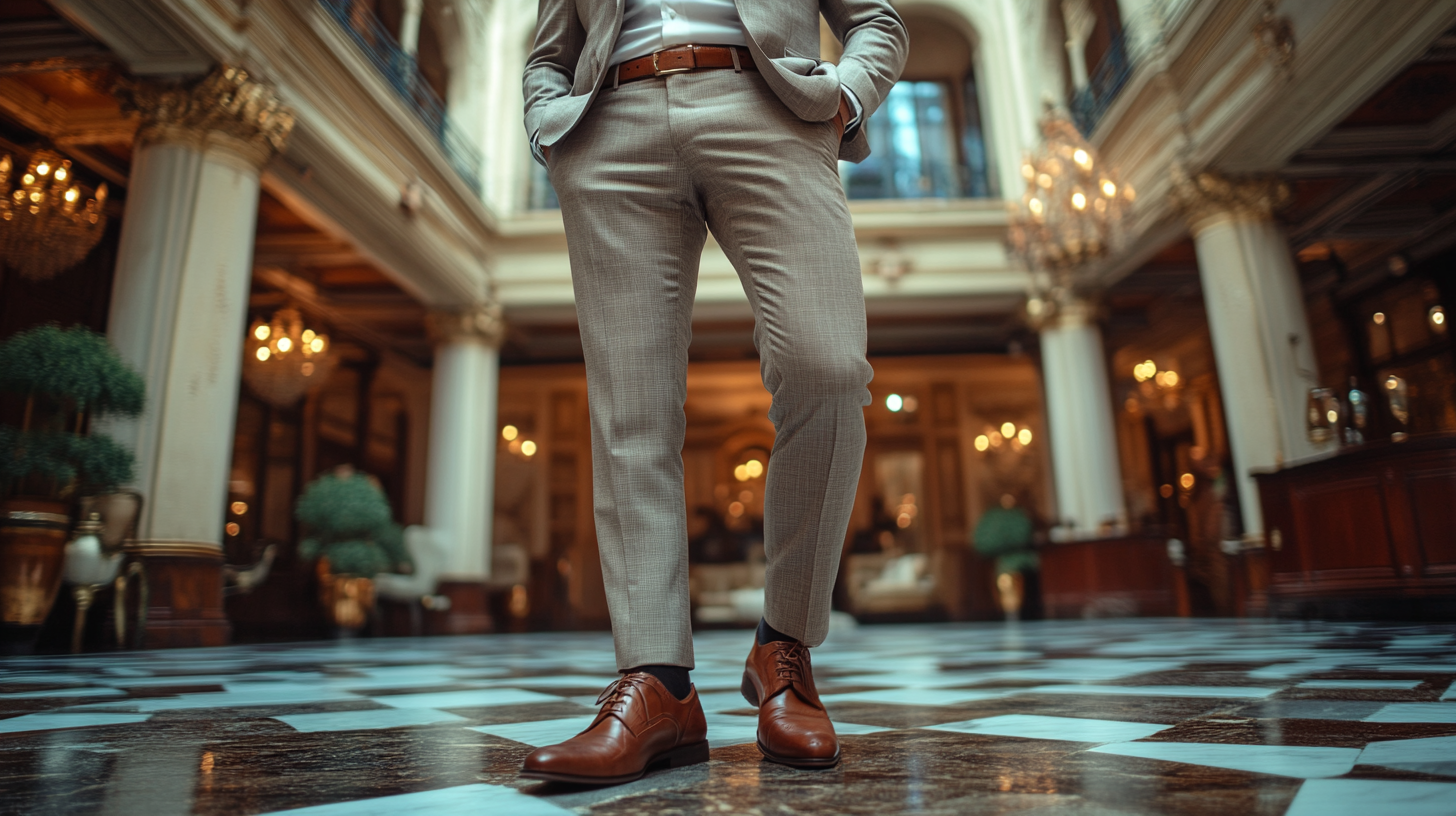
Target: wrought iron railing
403, 74
1090, 103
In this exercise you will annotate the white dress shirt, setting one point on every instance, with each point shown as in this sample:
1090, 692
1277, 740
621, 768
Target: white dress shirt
653, 25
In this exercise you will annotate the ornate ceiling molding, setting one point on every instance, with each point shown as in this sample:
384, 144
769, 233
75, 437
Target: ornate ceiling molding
227, 107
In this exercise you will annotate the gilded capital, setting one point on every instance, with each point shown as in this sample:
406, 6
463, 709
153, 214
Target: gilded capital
483, 322
227, 107
1208, 196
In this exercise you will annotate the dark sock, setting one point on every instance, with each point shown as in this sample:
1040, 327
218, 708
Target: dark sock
768, 634
675, 678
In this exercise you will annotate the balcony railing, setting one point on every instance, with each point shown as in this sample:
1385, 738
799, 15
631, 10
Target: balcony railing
403, 74
1090, 103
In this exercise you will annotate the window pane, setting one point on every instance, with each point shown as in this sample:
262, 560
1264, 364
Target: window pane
913, 143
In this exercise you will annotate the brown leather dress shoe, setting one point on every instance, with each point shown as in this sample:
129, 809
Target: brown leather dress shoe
640, 726
793, 727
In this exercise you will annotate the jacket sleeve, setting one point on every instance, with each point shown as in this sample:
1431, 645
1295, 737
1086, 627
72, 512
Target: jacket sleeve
875, 47
551, 66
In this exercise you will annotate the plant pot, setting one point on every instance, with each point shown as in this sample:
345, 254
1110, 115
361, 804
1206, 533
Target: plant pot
32, 559
348, 600
1010, 592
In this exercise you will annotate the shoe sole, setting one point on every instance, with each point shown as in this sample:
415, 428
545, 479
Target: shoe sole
679, 757
750, 693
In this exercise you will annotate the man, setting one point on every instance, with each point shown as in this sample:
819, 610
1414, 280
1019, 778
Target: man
659, 120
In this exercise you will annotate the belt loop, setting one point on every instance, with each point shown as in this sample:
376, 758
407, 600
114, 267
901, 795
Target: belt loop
616, 76
737, 69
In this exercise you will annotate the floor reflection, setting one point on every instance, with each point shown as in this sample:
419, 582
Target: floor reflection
1126, 717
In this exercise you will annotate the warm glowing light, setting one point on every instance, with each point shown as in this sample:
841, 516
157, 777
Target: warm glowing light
1082, 159
514, 446
60, 174
308, 336
1392, 382
1035, 205
996, 439
306, 369
316, 345
1028, 172
262, 332
1008, 429
264, 353
1332, 415
735, 509
982, 442
894, 402
1186, 481
1171, 379
239, 508
903, 521
741, 473
233, 528
754, 468
746, 496
42, 168
1437, 316
911, 405
72, 194
28, 179
1079, 201
1145, 371
1166, 491
1128, 193
284, 344
1024, 436
1044, 180
1379, 318
510, 432
528, 448
1108, 188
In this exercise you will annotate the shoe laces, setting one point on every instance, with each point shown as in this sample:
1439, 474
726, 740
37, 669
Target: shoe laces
613, 698
791, 661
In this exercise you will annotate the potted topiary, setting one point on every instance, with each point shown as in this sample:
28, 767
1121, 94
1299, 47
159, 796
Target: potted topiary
57, 381
1004, 533
351, 532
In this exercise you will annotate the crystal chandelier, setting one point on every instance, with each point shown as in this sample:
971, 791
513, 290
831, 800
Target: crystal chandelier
1071, 212
282, 360
48, 222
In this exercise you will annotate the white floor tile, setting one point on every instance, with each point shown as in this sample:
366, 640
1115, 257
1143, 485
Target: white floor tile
1070, 729
1279, 760
465, 800
1368, 797
378, 718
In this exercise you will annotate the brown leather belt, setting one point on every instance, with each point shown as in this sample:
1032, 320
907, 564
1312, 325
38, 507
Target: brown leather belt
684, 58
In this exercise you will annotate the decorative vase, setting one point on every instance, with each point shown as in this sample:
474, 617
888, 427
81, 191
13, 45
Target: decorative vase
1010, 591
347, 599
32, 557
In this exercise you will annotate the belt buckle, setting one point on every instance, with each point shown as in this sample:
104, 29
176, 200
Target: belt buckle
657, 72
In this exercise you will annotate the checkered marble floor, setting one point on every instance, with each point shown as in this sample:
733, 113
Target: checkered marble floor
1078, 717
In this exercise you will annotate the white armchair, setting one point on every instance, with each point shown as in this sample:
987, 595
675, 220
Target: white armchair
417, 589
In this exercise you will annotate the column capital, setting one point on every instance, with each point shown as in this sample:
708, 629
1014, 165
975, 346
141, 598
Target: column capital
226, 108
483, 322
1061, 309
1208, 197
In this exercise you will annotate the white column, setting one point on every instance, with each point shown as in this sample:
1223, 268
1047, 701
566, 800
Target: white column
1079, 21
1079, 419
460, 489
1142, 24
179, 301
409, 26
1256, 316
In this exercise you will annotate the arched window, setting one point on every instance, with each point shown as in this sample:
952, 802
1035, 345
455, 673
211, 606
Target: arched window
927, 138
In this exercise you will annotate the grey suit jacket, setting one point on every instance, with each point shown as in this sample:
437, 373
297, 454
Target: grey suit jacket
574, 38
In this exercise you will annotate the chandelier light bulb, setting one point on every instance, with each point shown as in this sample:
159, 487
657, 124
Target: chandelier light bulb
1027, 171
61, 174
261, 332
316, 345
1079, 201
42, 168
71, 194
284, 345
44, 226
264, 353
1108, 188
272, 371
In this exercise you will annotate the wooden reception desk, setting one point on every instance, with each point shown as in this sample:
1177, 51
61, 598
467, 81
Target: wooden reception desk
1370, 526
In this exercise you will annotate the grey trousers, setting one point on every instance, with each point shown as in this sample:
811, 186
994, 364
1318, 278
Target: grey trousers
653, 166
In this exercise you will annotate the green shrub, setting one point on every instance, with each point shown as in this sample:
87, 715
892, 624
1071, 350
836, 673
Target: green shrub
65, 376
348, 521
1005, 534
